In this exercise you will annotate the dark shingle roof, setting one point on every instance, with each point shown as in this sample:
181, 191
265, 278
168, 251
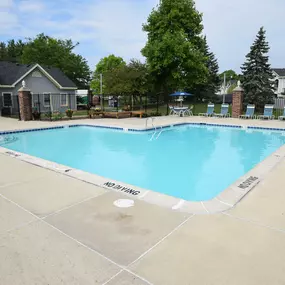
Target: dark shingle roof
279, 71
59, 76
11, 72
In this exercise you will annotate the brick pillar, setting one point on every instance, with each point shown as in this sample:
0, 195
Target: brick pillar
237, 101
25, 104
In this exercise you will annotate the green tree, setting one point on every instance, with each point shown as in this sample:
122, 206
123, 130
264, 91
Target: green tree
230, 74
104, 66
257, 75
12, 50
131, 79
58, 53
173, 49
208, 89
3, 51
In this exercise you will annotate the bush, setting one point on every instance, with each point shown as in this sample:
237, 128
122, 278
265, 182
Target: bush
155, 114
36, 115
69, 113
48, 115
57, 115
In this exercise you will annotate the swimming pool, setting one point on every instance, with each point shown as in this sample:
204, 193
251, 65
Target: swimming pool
192, 162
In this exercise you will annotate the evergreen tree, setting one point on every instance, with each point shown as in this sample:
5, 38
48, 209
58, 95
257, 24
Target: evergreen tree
208, 89
173, 49
213, 81
3, 51
257, 75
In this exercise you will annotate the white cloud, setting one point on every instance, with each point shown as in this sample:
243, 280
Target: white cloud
6, 4
231, 28
115, 26
8, 23
30, 6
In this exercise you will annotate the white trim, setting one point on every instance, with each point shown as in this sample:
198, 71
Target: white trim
7, 86
11, 94
50, 104
33, 102
46, 74
69, 88
66, 94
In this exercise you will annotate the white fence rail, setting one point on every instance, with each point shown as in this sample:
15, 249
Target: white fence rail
279, 104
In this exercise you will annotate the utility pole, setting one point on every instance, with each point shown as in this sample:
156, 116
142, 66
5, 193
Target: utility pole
224, 95
101, 90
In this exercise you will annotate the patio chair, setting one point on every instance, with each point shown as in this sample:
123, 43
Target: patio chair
224, 111
249, 112
172, 111
210, 111
268, 113
281, 118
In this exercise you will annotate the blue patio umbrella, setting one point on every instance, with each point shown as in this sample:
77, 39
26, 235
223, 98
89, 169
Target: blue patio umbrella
180, 95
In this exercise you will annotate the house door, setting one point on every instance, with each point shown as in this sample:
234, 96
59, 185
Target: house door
7, 104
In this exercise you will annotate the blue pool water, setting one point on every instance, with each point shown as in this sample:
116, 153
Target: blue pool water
190, 162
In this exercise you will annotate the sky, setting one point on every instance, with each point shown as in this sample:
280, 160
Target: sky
104, 27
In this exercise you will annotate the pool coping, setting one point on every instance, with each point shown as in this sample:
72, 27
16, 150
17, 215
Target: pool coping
224, 201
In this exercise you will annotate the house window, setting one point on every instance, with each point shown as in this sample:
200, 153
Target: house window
63, 99
35, 100
7, 100
36, 74
47, 99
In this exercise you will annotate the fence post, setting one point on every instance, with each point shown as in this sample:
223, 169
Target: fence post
25, 103
50, 111
237, 101
157, 98
146, 104
18, 107
167, 106
39, 105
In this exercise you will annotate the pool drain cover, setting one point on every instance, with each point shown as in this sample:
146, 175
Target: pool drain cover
124, 203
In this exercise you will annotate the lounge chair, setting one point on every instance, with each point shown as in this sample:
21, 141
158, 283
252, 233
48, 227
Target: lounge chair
268, 113
224, 111
281, 118
210, 111
249, 112
137, 113
117, 115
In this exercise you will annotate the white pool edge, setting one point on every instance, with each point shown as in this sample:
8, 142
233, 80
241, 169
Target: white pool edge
224, 201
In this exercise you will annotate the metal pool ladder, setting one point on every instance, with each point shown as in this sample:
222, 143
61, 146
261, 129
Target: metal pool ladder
146, 121
155, 134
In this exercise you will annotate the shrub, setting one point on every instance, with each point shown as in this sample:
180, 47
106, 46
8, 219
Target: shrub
48, 115
57, 115
155, 114
36, 114
69, 113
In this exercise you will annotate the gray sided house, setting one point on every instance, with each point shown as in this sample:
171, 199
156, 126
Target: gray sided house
51, 89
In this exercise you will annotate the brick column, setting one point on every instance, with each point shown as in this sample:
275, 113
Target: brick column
237, 101
25, 104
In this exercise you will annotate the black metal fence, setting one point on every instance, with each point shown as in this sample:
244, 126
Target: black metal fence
55, 106
9, 105
149, 105
45, 106
51, 106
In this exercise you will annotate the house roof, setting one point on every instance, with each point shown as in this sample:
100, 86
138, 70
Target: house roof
279, 71
11, 72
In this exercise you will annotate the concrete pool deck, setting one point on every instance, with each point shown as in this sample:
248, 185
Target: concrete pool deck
57, 230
